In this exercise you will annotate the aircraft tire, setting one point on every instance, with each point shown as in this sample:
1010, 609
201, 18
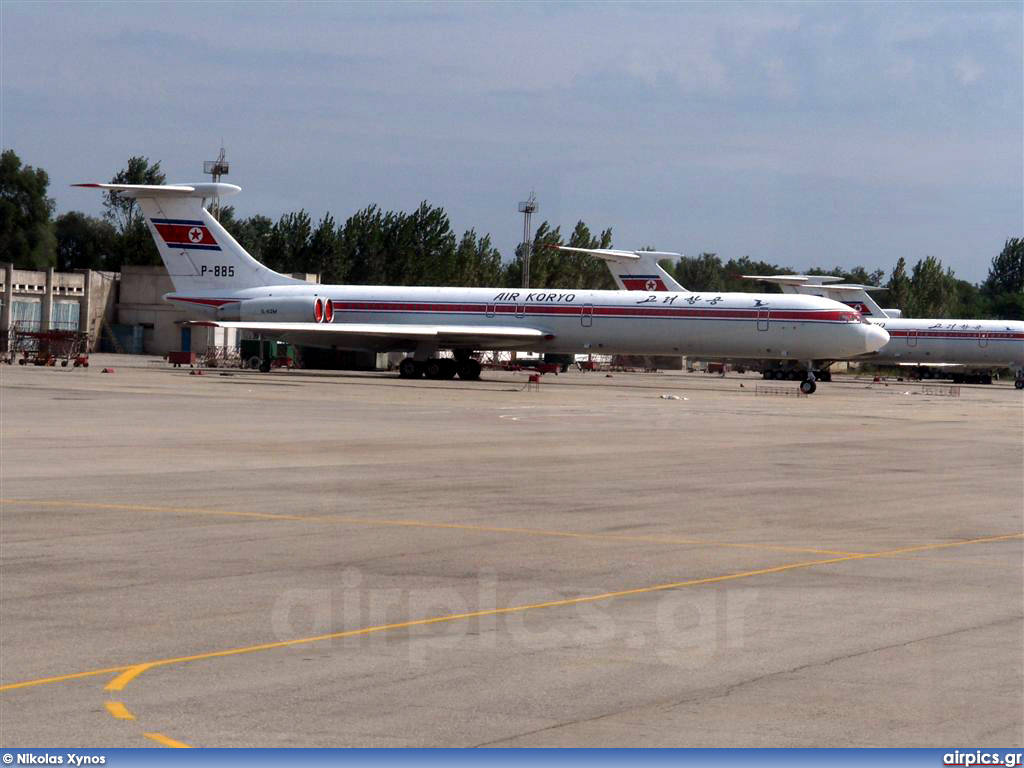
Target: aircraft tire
434, 368
265, 366
469, 370
449, 368
408, 369
1018, 384
808, 387
253, 363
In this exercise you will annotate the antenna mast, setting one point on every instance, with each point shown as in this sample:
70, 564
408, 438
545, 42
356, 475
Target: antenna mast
216, 169
527, 208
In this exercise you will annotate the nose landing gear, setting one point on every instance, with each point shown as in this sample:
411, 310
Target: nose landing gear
808, 386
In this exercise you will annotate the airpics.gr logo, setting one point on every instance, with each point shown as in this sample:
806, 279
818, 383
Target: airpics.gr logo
981, 758
186, 233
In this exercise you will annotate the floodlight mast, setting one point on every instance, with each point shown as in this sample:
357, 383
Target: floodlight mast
527, 208
216, 169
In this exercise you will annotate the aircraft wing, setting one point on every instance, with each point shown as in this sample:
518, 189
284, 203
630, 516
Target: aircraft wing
477, 336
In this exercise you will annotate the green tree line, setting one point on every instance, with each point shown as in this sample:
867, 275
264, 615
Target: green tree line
927, 290
373, 246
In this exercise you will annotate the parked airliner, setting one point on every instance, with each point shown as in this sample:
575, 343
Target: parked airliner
937, 346
213, 275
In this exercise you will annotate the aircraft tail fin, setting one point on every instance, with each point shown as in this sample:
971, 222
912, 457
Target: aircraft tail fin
634, 270
856, 296
831, 287
200, 255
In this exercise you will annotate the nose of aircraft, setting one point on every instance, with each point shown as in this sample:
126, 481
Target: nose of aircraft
874, 337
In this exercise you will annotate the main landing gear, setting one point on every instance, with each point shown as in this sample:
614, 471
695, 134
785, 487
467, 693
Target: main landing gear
440, 368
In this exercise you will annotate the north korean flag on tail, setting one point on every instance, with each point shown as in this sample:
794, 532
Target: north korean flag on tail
186, 233
860, 306
643, 283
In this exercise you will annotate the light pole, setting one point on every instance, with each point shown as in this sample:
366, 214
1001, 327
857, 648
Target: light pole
527, 208
216, 169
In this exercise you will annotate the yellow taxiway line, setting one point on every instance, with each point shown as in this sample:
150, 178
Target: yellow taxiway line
119, 710
167, 741
129, 672
119, 682
362, 521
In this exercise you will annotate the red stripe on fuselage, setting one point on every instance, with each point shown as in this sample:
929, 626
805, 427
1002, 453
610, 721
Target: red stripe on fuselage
704, 313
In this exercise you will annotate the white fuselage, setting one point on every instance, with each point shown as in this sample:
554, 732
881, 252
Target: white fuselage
975, 343
738, 325
986, 344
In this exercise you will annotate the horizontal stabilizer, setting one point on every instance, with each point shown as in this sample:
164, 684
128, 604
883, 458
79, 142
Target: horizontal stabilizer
795, 279
857, 287
204, 190
841, 288
611, 254
634, 270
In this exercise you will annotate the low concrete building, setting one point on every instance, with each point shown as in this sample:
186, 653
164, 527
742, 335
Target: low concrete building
43, 300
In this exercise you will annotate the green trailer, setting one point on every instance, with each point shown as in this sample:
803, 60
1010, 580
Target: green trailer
264, 354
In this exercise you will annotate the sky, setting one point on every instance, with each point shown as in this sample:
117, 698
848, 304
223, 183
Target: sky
802, 134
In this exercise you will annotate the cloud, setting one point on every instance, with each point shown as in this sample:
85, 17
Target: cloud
621, 112
967, 70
